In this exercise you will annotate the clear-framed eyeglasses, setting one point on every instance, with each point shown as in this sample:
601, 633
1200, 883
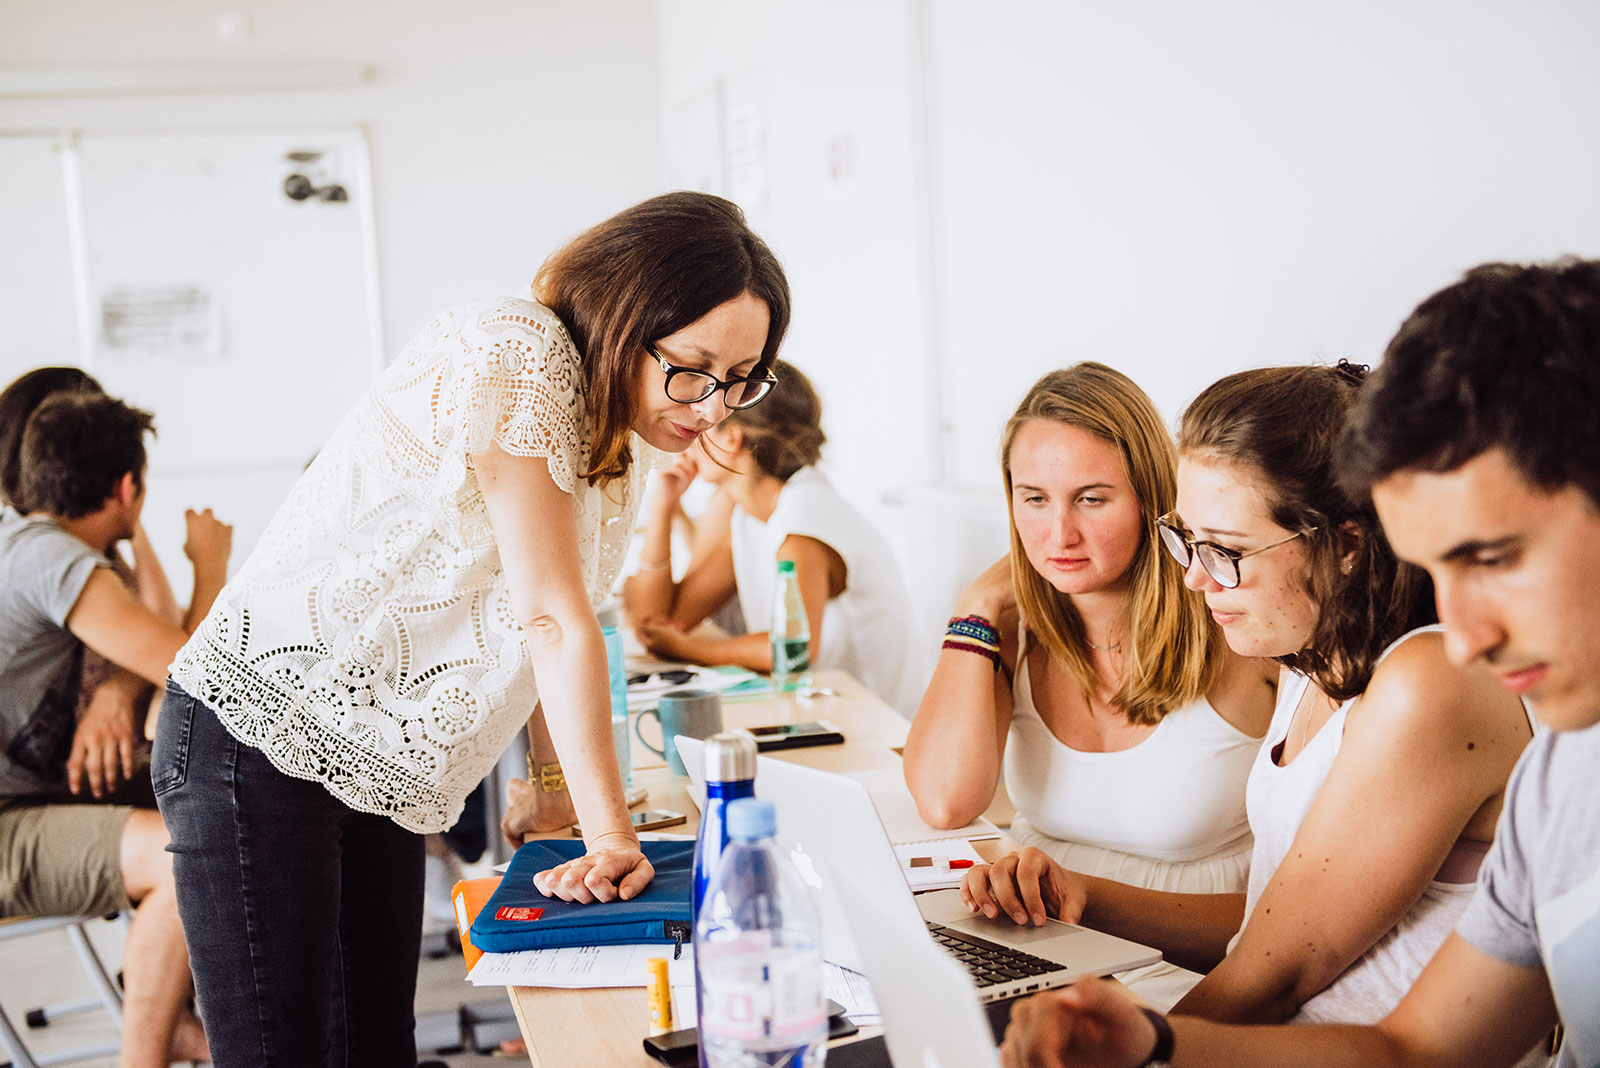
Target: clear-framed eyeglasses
1220, 562
688, 386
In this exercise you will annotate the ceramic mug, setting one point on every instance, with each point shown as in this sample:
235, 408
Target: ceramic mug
691, 713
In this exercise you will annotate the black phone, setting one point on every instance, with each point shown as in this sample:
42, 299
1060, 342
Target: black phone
647, 821
796, 735
681, 1049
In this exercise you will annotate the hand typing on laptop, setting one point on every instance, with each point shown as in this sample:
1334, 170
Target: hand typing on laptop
1027, 886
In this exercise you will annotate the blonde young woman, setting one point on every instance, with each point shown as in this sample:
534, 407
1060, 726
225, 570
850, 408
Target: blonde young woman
1082, 667
763, 461
1376, 793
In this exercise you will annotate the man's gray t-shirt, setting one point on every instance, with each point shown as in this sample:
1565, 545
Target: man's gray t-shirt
1538, 898
43, 569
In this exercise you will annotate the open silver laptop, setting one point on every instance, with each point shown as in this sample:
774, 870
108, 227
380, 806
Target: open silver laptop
929, 1005
827, 823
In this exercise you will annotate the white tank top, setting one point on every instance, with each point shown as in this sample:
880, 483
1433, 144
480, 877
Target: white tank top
867, 629
1279, 799
1176, 796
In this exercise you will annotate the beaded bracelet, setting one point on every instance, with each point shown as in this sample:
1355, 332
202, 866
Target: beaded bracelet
973, 634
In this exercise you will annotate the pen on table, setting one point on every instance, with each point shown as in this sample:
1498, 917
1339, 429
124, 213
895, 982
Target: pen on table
660, 995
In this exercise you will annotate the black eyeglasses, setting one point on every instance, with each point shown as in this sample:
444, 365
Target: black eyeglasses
1220, 562
687, 386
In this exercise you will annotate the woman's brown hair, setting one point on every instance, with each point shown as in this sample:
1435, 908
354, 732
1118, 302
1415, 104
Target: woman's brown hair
18, 401
1280, 426
643, 274
1172, 648
783, 432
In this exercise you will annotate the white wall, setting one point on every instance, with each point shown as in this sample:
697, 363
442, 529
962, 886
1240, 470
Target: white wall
497, 128
1178, 190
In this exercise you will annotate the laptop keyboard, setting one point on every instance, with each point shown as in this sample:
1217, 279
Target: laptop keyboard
989, 963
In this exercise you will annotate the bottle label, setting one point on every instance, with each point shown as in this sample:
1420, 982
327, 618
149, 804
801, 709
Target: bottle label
791, 656
751, 992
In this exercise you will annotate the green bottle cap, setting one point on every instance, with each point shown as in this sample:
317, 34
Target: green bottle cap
785, 567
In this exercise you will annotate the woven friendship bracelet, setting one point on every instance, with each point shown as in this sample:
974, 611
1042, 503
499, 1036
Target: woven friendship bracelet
975, 627
966, 645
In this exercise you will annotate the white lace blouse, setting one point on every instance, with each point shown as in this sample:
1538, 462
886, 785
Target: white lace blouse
368, 642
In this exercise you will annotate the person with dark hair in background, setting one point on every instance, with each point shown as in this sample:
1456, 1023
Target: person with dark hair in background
430, 581
81, 474
1476, 442
144, 572
784, 509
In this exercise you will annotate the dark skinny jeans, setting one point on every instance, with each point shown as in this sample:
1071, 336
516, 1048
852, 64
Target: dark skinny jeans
303, 916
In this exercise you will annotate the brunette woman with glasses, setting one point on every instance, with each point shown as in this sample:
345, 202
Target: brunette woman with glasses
1376, 791
763, 462
1082, 667
430, 582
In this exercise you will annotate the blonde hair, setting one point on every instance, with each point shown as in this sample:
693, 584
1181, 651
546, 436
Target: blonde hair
1173, 650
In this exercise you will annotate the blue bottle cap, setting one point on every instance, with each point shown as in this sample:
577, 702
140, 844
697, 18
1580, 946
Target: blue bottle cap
750, 818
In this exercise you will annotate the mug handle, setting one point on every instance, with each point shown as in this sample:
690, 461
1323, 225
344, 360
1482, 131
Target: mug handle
639, 722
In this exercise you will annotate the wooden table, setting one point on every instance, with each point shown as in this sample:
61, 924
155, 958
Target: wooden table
566, 1028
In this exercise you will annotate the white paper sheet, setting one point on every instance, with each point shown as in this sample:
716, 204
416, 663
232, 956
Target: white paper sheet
848, 988
936, 877
898, 810
579, 967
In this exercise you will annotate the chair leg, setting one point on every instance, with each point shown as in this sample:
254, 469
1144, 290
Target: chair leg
96, 970
13, 1044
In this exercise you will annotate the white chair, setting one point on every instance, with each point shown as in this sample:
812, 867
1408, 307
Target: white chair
108, 997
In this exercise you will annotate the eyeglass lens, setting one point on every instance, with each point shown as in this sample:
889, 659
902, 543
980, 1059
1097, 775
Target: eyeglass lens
1222, 568
687, 387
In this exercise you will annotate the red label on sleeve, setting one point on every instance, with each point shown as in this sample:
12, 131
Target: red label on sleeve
510, 912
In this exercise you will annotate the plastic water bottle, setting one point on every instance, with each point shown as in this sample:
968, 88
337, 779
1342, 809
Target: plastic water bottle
730, 763
758, 954
618, 673
790, 634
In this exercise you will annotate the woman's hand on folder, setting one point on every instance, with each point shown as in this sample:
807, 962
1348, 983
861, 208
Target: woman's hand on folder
613, 867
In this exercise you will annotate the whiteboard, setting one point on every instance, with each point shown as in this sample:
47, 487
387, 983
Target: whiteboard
173, 267
288, 343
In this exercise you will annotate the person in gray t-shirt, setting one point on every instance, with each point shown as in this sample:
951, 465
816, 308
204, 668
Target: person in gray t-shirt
1478, 441
43, 569
82, 467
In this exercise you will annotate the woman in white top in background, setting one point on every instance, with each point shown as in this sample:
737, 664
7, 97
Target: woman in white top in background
1081, 664
430, 582
1377, 789
784, 509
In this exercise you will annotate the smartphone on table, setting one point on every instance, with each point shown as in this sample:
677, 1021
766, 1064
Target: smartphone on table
649, 820
796, 735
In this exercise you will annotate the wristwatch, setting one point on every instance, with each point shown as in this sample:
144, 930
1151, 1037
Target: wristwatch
1161, 1055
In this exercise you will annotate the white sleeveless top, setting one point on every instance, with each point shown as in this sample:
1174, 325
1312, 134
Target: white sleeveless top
368, 642
1279, 799
1176, 796
867, 629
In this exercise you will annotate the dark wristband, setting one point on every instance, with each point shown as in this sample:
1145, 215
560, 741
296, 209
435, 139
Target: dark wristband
1162, 1054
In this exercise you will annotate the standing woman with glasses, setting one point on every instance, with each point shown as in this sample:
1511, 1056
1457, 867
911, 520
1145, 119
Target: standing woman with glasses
1082, 667
1376, 792
784, 509
429, 586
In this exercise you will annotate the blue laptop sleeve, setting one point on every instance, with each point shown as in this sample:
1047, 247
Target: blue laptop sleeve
518, 917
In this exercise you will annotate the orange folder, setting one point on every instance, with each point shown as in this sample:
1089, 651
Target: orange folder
469, 896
